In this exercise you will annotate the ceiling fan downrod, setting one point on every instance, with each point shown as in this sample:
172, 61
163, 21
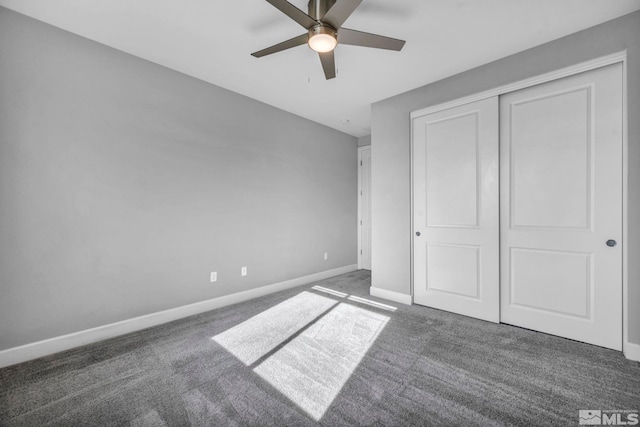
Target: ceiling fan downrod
318, 8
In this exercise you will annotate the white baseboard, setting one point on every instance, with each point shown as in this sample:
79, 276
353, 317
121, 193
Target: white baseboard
632, 351
34, 350
390, 295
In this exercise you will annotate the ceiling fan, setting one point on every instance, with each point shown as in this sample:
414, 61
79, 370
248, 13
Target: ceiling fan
324, 31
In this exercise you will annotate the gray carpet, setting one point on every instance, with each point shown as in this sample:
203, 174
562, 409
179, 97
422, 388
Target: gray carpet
321, 355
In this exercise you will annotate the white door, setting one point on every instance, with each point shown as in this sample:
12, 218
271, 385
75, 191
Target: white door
365, 208
561, 190
455, 210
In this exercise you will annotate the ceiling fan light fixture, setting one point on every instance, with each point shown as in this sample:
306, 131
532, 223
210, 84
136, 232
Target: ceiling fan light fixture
324, 31
322, 38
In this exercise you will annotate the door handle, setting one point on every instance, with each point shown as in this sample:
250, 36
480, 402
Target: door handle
418, 233
611, 243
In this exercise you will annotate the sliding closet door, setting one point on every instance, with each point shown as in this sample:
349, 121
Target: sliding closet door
561, 207
455, 203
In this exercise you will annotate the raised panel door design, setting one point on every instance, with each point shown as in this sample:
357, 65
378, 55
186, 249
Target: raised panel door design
444, 274
551, 149
452, 171
538, 274
455, 201
561, 191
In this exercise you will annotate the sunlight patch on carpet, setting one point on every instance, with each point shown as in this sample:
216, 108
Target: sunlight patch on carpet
372, 303
329, 291
257, 336
312, 368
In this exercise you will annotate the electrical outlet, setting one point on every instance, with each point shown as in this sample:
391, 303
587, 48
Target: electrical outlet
243, 271
326, 256
214, 276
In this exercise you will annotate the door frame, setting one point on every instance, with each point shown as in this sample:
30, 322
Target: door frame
360, 208
619, 57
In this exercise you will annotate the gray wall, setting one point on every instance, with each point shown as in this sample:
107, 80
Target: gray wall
391, 141
364, 140
123, 184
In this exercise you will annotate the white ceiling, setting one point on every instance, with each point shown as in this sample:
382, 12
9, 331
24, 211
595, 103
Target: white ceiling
212, 40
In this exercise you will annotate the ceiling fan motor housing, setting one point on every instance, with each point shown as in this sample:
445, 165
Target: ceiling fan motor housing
323, 29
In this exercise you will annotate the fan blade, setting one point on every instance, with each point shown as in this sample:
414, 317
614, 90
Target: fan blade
339, 12
328, 64
296, 41
358, 38
294, 13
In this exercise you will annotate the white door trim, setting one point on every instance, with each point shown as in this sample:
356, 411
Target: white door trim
360, 150
627, 347
512, 87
